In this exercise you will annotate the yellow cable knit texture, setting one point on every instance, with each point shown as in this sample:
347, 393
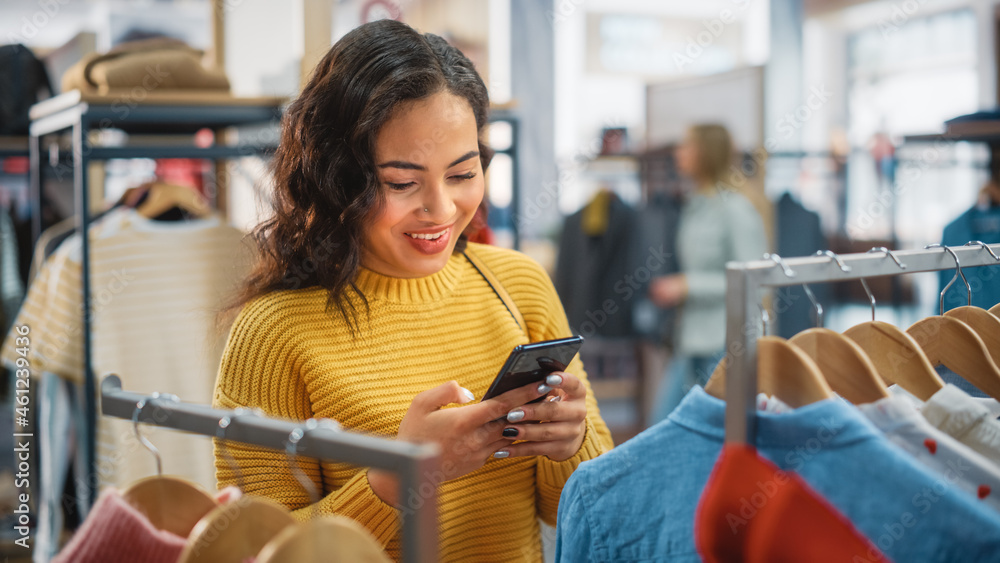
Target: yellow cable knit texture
290, 357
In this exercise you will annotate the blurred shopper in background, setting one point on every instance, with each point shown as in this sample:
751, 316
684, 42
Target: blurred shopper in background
718, 224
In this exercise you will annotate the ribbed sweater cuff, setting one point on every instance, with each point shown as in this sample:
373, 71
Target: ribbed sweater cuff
552, 475
357, 500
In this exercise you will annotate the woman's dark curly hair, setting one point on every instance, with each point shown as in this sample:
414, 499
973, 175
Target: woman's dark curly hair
324, 171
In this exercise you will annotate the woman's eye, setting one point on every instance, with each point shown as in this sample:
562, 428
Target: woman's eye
468, 176
399, 187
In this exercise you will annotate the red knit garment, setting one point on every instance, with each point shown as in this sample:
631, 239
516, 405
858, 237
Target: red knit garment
115, 532
751, 511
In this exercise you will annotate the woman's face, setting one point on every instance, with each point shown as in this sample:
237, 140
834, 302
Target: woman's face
687, 158
428, 163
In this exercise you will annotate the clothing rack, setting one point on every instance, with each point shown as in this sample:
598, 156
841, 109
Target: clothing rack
414, 464
78, 114
744, 281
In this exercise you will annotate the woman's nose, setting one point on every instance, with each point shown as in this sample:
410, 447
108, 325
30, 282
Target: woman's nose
439, 205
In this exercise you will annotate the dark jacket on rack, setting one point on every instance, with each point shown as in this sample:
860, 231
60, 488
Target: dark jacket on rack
596, 272
657, 240
798, 234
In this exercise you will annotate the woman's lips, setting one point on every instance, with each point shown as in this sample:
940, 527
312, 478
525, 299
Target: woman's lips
430, 245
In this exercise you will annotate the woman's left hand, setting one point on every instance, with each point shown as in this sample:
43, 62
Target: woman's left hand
561, 417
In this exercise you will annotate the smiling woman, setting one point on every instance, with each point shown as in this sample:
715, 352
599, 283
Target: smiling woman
369, 306
432, 194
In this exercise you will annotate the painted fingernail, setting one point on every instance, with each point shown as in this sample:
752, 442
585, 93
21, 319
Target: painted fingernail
543, 388
553, 380
510, 432
501, 454
468, 395
554, 399
515, 415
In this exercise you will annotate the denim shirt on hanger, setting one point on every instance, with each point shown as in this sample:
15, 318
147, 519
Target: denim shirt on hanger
637, 502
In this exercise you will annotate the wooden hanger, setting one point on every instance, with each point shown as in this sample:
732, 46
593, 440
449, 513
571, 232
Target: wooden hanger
170, 503
986, 325
897, 357
328, 539
163, 197
952, 343
995, 310
844, 365
783, 371
235, 532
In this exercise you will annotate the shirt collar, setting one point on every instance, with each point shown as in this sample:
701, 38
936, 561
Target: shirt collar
833, 422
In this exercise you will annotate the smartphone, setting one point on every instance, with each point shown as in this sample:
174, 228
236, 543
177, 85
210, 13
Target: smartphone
531, 363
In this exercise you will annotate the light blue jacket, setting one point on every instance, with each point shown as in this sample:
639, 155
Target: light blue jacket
637, 502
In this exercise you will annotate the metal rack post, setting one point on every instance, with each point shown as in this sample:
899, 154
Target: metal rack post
746, 279
415, 464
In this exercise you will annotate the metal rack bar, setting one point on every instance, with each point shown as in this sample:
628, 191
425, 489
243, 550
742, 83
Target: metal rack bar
746, 279
415, 464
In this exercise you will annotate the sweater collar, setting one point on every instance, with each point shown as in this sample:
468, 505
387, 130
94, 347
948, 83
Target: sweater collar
434, 287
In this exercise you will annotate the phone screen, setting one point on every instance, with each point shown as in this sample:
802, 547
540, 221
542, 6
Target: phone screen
531, 363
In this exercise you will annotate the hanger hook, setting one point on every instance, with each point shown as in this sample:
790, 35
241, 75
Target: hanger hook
833, 256
765, 319
141, 404
779, 261
890, 254
985, 247
816, 304
224, 424
871, 297
958, 273
292, 448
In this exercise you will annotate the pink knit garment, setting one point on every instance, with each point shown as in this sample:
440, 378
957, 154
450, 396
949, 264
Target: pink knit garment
115, 532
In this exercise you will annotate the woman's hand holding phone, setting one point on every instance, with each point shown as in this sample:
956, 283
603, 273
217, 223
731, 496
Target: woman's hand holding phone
562, 417
469, 435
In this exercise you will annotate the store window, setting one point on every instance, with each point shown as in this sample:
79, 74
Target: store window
907, 78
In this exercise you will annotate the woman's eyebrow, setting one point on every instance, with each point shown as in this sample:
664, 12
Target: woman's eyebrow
414, 166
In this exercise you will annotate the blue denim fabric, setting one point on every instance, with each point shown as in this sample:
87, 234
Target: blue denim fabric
637, 502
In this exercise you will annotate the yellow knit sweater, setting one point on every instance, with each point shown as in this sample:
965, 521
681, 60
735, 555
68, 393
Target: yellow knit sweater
289, 357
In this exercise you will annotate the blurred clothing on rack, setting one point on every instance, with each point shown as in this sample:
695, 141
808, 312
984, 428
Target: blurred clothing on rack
60, 432
799, 233
155, 289
11, 287
597, 262
657, 230
638, 501
980, 223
